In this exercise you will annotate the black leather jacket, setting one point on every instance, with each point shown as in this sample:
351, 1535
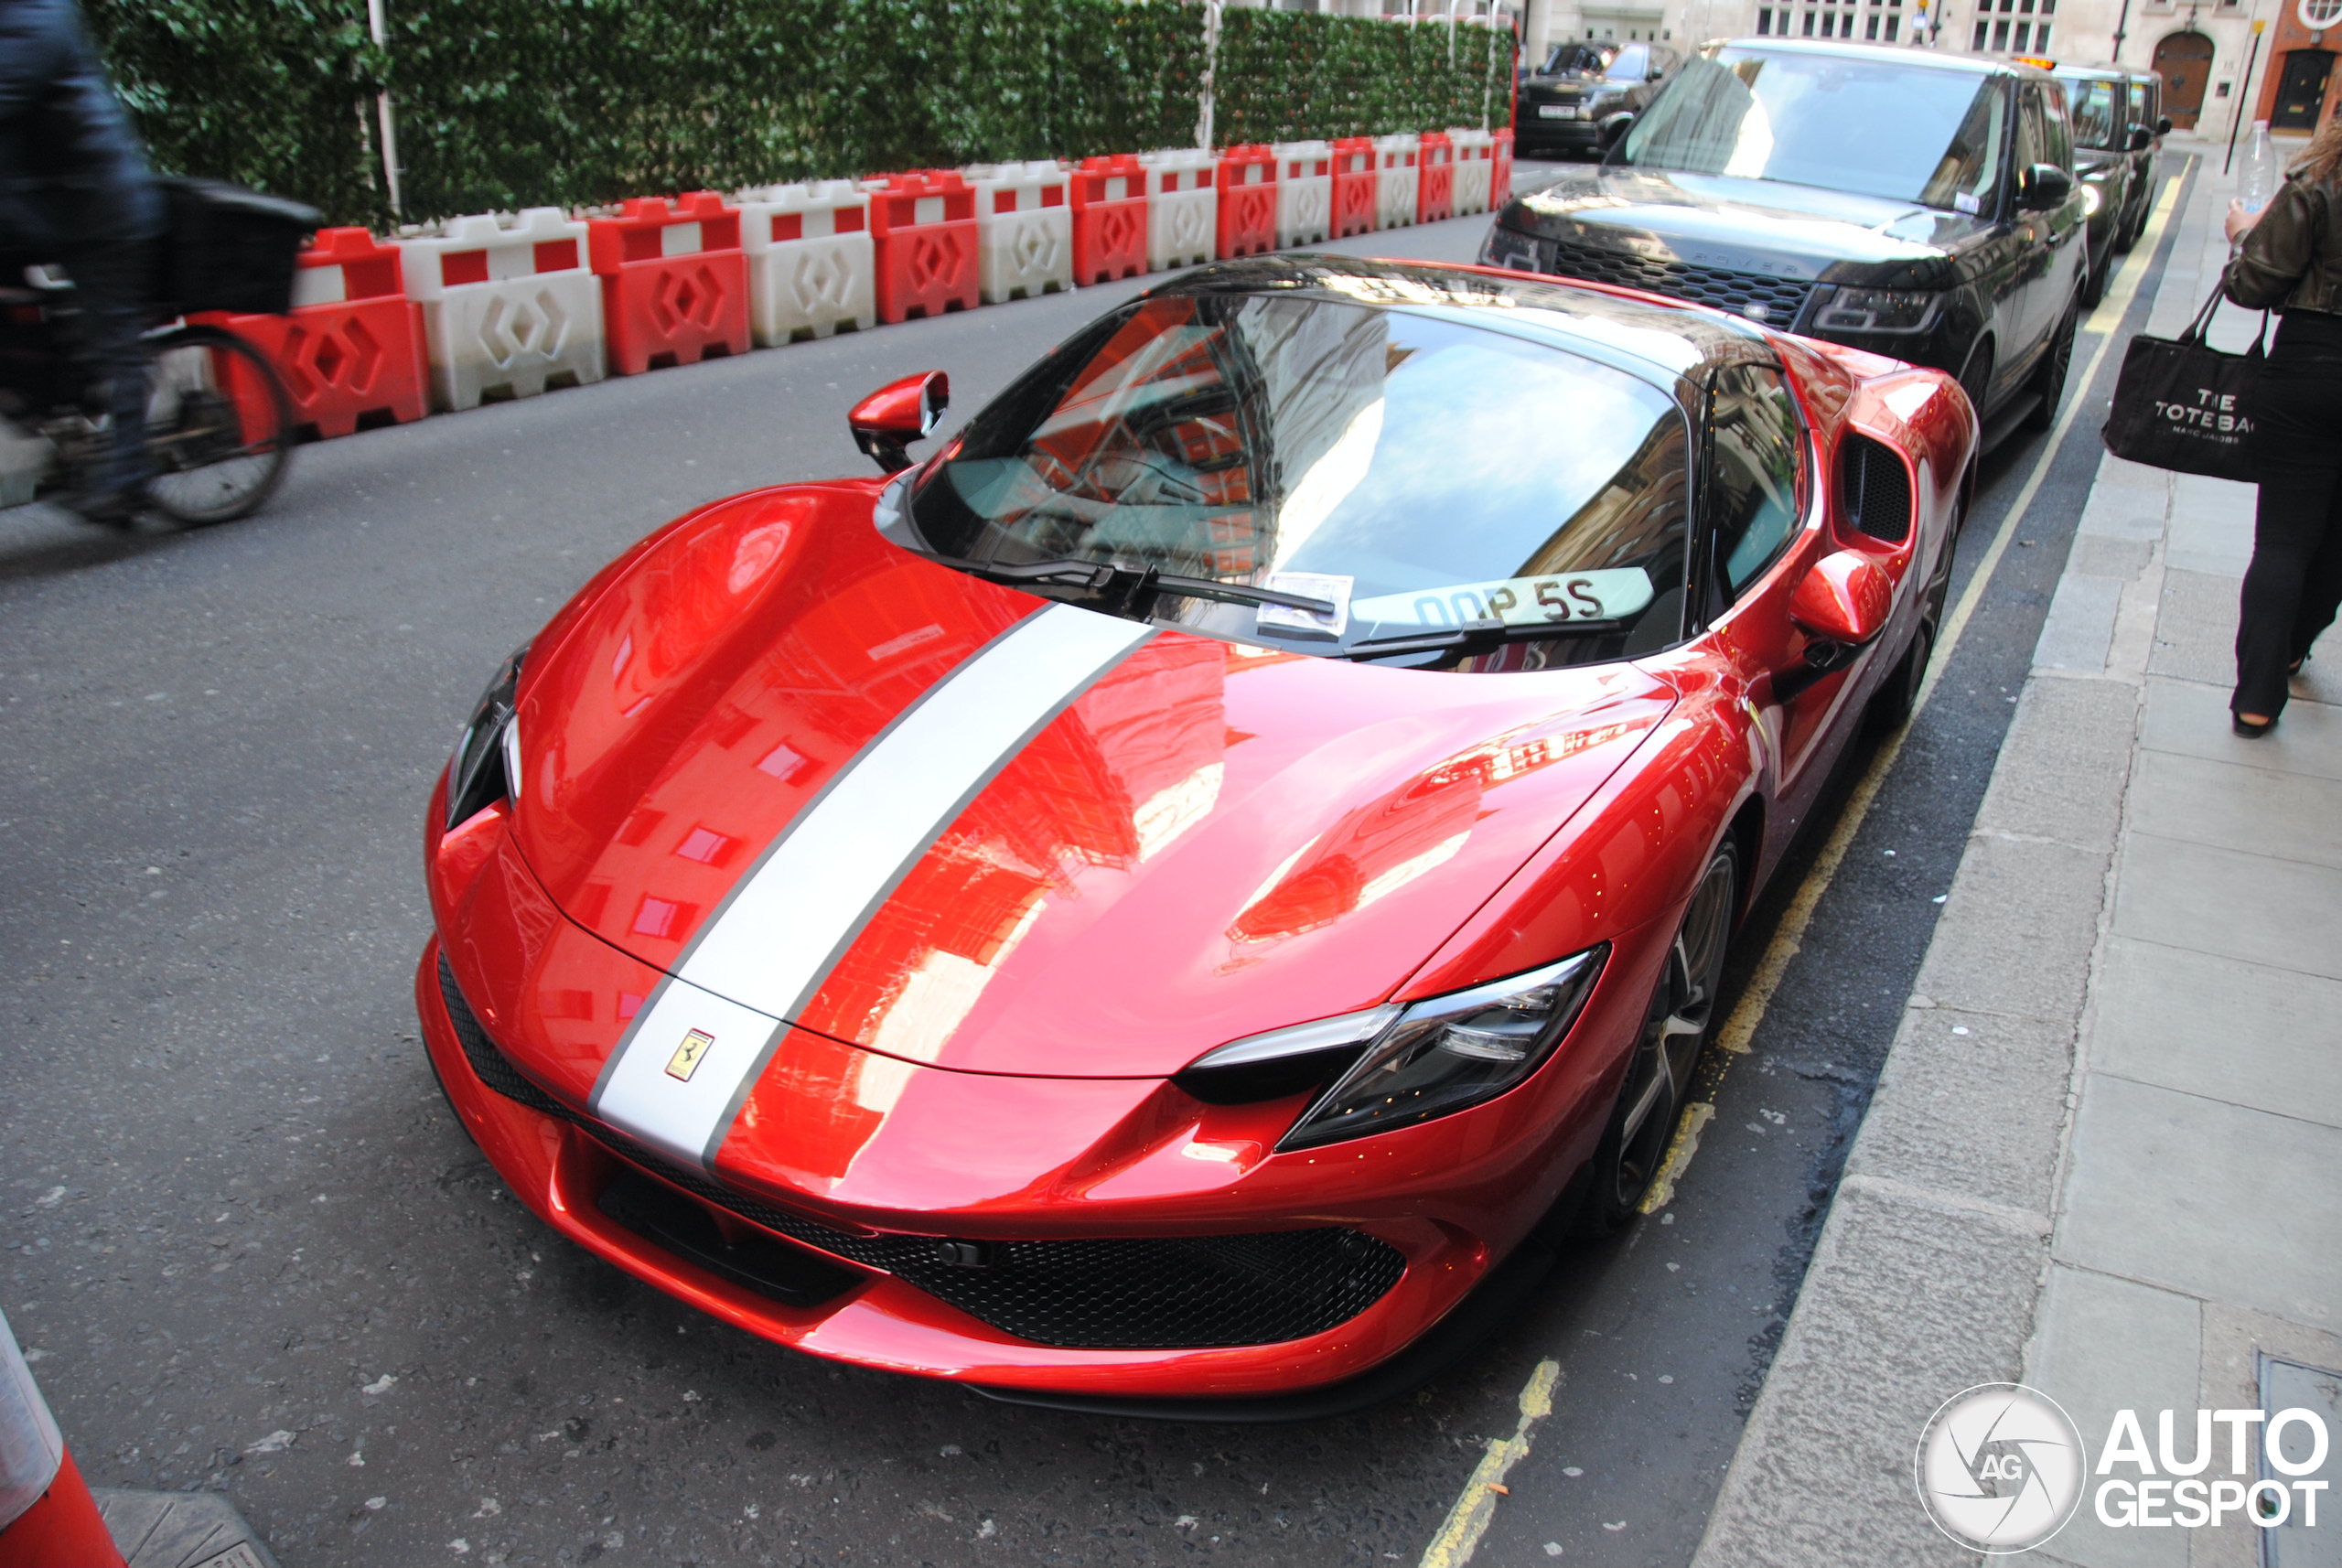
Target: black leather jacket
73, 173
2292, 259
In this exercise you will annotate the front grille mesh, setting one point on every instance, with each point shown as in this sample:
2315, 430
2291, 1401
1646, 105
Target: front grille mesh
1780, 300
1875, 488
1145, 1293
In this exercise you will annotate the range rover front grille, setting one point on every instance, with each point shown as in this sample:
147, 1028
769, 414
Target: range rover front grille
1775, 301
1137, 1293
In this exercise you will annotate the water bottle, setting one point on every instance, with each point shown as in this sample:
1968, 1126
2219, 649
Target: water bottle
2258, 180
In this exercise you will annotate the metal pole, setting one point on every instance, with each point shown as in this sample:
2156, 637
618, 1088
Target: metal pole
2122, 25
2236, 121
1204, 128
379, 22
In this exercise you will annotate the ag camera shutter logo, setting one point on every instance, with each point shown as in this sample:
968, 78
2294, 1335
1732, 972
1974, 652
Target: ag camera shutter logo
1999, 1468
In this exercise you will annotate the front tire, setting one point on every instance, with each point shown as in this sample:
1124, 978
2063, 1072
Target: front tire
1676, 1027
219, 426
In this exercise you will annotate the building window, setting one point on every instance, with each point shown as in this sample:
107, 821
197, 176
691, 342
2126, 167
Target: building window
1764, 21
2041, 39
2023, 37
1892, 22
1808, 23
1979, 45
1870, 28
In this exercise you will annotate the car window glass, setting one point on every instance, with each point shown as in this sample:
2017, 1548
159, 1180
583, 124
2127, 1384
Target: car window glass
2059, 143
1406, 462
2097, 113
1928, 133
1632, 64
1755, 445
2032, 138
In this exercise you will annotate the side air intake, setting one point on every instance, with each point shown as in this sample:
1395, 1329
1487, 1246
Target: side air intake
1874, 487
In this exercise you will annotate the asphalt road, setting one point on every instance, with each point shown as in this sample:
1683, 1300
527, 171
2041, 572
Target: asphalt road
247, 1247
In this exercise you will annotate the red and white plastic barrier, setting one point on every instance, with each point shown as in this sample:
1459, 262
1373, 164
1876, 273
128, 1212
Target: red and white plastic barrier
1182, 208
1109, 199
1435, 183
1024, 230
812, 270
48, 1517
1355, 183
1305, 192
1247, 201
1500, 165
923, 227
674, 282
1396, 183
1475, 166
350, 353
508, 305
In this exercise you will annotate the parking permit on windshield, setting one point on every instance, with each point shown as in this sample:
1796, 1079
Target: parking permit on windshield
1334, 590
1609, 594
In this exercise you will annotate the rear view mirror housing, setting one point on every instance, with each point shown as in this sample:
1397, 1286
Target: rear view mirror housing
1615, 128
2162, 126
2141, 139
1845, 598
885, 423
2043, 187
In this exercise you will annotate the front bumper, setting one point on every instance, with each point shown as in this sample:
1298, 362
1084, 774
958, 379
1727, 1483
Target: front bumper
568, 1168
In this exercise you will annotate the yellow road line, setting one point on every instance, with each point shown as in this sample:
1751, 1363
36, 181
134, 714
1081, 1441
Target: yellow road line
1469, 1518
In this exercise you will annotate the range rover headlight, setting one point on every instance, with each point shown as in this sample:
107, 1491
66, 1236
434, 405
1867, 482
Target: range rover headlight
2093, 197
1880, 310
485, 768
1395, 1066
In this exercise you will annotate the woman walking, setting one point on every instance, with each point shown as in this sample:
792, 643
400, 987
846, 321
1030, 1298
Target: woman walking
2292, 263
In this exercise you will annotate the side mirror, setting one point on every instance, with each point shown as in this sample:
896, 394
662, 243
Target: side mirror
2141, 139
2162, 126
1844, 599
2043, 187
886, 422
1615, 128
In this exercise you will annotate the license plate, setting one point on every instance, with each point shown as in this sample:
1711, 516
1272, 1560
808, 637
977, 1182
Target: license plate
1556, 112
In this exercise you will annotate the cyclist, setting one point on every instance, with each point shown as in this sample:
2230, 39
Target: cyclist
75, 190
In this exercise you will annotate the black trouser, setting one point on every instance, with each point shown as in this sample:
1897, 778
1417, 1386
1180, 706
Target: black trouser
2295, 583
111, 289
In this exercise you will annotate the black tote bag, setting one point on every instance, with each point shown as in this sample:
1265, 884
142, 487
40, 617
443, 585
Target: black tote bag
2184, 406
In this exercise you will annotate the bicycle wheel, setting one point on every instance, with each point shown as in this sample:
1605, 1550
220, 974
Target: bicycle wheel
219, 426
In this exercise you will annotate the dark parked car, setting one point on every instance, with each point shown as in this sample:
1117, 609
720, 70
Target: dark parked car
1564, 103
2118, 131
1915, 205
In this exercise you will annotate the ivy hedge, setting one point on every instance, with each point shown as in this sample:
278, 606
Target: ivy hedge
508, 103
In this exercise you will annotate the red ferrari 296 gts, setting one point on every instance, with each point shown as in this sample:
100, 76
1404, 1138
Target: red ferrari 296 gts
1180, 896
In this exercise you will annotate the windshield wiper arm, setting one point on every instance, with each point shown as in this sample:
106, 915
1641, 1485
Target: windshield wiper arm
1098, 576
1477, 632
1239, 593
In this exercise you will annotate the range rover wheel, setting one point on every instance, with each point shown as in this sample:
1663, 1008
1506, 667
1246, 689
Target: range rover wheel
2056, 366
1681, 1015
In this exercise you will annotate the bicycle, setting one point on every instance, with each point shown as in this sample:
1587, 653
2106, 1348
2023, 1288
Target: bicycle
219, 427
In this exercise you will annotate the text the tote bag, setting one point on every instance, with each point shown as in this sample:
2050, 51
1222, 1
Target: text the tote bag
2184, 406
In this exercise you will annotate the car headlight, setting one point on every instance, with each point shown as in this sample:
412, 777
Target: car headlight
1880, 310
1395, 1066
485, 766
2092, 199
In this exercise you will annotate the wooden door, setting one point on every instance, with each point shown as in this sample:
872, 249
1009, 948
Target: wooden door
2301, 90
2185, 62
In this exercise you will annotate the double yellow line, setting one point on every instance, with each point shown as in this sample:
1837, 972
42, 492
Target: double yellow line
1451, 1547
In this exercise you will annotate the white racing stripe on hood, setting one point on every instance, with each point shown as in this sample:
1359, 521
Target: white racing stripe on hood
766, 950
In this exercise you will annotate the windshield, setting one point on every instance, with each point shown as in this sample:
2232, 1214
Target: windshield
1874, 126
1416, 476
2094, 111
1590, 58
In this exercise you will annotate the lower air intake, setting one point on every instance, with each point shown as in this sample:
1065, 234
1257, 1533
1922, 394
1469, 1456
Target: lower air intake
1142, 1292
1874, 487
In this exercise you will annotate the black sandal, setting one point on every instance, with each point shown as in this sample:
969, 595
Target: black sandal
2248, 730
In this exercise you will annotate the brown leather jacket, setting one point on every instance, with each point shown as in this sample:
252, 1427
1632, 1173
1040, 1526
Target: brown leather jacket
2292, 259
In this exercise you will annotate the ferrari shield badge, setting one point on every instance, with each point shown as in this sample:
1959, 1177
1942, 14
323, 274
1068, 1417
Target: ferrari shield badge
688, 1055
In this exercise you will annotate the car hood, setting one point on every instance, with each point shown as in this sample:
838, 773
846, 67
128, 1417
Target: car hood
1748, 225
1195, 840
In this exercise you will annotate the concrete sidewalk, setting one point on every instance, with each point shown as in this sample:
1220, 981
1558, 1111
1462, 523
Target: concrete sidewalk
2105, 1156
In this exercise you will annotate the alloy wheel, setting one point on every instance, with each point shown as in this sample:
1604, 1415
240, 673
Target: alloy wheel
1682, 1013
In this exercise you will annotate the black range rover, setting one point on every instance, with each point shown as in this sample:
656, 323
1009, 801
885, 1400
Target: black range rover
1562, 104
1916, 205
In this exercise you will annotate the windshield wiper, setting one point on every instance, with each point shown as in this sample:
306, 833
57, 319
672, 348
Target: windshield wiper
1486, 633
1100, 577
